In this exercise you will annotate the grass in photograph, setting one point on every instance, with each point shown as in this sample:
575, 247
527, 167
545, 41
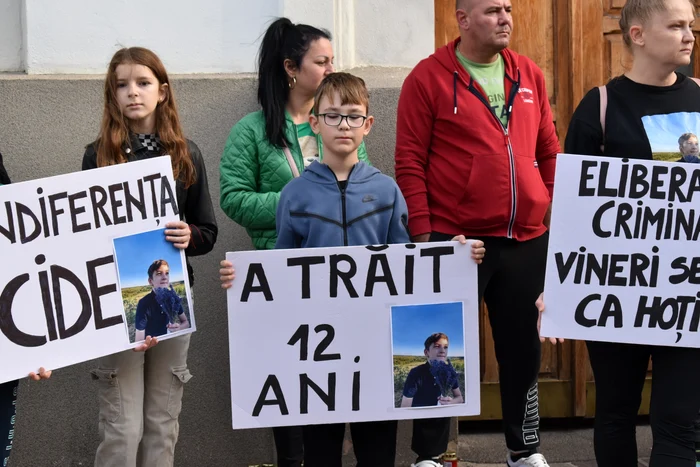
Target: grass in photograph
667, 156
132, 295
405, 363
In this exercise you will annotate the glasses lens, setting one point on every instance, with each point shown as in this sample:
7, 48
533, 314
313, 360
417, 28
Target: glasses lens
356, 121
332, 119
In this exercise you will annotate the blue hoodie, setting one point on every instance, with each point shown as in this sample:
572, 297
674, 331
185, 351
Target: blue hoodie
314, 211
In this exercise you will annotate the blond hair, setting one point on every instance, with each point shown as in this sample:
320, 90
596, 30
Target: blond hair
640, 10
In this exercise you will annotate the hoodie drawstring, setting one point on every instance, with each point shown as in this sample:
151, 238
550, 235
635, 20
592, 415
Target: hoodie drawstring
454, 89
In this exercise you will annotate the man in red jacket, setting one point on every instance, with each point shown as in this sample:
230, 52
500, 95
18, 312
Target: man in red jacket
475, 155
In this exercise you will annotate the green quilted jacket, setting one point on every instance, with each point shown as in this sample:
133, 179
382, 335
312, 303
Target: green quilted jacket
252, 174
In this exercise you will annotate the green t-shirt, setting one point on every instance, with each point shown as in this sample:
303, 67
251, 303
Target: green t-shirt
308, 143
490, 77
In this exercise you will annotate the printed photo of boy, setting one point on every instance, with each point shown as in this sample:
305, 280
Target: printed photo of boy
160, 312
662, 131
435, 382
689, 148
428, 372
153, 283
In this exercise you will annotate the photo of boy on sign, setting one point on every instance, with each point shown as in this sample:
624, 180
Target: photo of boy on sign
159, 312
154, 291
689, 147
424, 375
431, 383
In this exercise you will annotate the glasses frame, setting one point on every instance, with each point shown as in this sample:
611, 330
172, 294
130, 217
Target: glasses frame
343, 117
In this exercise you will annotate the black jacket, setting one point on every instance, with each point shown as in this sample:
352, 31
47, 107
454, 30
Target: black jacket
194, 202
4, 178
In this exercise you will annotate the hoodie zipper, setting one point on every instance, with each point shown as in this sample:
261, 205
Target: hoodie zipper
342, 202
344, 224
345, 220
506, 134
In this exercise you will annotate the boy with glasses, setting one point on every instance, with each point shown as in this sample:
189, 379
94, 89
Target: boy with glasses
341, 201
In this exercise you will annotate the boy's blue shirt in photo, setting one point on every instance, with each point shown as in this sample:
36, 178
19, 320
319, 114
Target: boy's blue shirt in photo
314, 211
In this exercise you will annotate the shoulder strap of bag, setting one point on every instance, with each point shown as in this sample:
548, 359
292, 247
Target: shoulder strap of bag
290, 160
603, 109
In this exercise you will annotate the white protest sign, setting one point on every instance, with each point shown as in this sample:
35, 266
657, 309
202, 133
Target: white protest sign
60, 300
623, 262
323, 335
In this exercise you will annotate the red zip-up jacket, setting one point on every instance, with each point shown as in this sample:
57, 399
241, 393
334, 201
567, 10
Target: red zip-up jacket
460, 170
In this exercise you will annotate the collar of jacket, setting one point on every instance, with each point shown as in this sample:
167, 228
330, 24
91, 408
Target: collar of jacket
321, 173
291, 133
448, 56
134, 145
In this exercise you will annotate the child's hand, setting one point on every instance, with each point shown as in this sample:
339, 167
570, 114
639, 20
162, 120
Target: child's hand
226, 274
444, 400
478, 250
178, 233
540, 308
43, 374
461, 239
174, 327
147, 344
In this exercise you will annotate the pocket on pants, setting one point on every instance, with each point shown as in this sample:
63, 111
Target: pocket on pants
109, 394
181, 375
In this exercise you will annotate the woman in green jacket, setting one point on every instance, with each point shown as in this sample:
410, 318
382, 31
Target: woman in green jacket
268, 148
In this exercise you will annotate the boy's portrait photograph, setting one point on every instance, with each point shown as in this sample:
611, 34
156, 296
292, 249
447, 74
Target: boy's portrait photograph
152, 279
428, 355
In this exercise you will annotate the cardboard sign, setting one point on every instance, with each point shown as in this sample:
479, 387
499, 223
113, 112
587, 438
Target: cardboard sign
331, 335
623, 262
60, 298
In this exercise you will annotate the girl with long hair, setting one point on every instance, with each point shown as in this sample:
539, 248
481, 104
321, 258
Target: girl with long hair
140, 393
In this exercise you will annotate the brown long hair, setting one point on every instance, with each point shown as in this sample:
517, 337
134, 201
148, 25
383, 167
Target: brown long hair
114, 130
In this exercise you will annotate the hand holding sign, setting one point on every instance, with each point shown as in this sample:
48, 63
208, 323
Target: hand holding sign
540, 309
226, 274
478, 250
148, 343
178, 233
43, 374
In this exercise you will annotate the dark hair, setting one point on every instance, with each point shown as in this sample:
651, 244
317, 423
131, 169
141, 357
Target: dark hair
155, 265
434, 338
283, 40
351, 90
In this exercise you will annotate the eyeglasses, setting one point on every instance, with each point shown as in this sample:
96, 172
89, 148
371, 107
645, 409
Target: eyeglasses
333, 119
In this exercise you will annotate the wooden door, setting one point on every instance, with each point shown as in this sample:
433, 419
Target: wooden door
578, 45
534, 37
